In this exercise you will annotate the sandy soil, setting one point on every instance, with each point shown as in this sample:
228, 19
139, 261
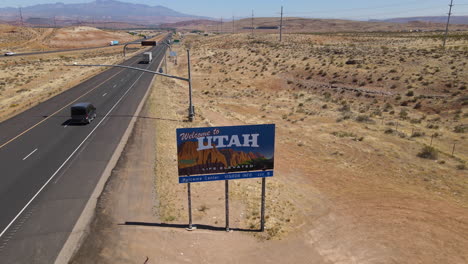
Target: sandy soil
78, 37
26, 39
347, 188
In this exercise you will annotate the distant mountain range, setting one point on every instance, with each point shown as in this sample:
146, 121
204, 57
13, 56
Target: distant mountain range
99, 10
462, 20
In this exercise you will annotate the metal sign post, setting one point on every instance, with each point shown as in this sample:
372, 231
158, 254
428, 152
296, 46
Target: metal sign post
227, 205
165, 63
262, 217
190, 227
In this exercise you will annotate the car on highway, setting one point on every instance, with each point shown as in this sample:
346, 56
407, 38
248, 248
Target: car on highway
83, 113
9, 53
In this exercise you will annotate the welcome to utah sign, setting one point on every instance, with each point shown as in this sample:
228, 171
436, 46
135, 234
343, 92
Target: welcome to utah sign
225, 153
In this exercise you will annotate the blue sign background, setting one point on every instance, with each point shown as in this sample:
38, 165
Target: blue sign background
224, 163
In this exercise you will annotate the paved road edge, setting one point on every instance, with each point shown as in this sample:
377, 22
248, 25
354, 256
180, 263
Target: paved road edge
77, 234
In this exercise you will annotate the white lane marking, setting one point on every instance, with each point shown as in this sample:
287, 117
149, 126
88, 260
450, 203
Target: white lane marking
104, 94
73, 160
68, 122
29, 154
69, 157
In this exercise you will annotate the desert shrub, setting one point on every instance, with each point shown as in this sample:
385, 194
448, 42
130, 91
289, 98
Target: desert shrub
387, 107
417, 134
461, 166
364, 119
428, 152
388, 131
345, 108
403, 114
410, 93
377, 112
460, 129
401, 134
415, 121
344, 117
343, 134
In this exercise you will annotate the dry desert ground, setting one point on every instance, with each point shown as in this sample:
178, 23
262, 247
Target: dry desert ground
371, 154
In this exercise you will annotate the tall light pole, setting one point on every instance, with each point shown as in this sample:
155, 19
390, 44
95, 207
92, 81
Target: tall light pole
191, 109
448, 22
191, 112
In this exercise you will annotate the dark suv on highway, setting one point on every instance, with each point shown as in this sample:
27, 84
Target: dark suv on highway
83, 113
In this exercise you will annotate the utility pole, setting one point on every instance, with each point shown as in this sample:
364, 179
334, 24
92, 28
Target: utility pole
233, 26
252, 28
221, 24
55, 22
21, 16
448, 22
281, 24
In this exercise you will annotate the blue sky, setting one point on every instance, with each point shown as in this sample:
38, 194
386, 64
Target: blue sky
350, 9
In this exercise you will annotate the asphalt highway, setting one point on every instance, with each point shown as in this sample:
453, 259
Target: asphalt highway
68, 50
50, 167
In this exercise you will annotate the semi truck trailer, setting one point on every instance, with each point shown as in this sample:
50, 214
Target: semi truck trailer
147, 57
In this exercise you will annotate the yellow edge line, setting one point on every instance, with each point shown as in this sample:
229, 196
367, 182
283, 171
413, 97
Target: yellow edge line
24, 132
